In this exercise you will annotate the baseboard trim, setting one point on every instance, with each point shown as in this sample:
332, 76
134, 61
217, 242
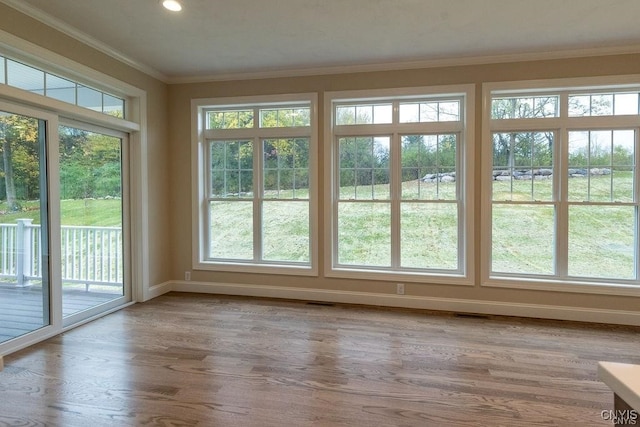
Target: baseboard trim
159, 289
618, 317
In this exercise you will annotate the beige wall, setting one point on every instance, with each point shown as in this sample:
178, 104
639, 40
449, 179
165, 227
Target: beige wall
35, 32
169, 139
180, 96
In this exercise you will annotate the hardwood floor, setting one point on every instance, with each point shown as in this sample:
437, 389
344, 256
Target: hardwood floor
203, 360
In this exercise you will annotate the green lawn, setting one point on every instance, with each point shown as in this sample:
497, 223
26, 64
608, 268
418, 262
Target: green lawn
98, 212
600, 239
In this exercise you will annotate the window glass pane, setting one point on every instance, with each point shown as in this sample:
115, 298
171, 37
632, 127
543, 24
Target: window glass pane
91, 217
523, 166
382, 114
600, 104
363, 114
524, 107
523, 241
424, 112
286, 231
429, 235
24, 246
35, 80
230, 119
61, 89
601, 165
285, 117
286, 173
113, 106
364, 167
25, 77
429, 167
231, 229
579, 106
2, 74
578, 174
231, 169
623, 168
602, 242
625, 103
346, 115
600, 178
429, 112
364, 234
449, 111
410, 113
89, 98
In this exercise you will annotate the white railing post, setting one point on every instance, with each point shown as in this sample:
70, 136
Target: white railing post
23, 252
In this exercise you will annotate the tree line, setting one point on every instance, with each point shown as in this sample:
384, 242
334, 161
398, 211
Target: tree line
89, 162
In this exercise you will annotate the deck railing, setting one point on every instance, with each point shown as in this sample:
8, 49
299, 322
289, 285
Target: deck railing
90, 255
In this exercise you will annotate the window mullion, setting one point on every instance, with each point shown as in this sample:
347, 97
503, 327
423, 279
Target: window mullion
461, 197
561, 188
258, 198
396, 189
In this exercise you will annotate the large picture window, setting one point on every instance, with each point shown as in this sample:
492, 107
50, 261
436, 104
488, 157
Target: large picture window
399, 195
564, 185
257, 178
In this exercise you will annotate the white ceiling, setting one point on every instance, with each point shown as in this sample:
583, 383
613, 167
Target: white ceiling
217, 38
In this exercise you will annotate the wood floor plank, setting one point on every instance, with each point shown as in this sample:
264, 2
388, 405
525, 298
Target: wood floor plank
203, 360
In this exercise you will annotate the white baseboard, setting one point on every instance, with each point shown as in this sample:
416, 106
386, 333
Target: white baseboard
580, 314
159, 289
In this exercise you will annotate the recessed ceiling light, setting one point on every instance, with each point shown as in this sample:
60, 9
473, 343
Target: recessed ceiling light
172, 5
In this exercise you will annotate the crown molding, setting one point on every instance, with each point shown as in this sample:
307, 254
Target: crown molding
412, 65
86, 39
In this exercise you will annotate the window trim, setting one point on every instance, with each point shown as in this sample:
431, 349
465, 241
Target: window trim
465, 128
199, 149
562, 125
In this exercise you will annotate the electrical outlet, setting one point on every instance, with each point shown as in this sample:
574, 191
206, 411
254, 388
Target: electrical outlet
187, 275
400, 288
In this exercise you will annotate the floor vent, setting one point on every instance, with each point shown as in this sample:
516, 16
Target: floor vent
472, 315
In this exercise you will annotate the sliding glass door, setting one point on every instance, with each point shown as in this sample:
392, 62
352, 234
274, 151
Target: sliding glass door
92, 232
24, 243
64, 251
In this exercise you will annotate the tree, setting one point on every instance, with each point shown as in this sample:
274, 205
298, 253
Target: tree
89, 164
20, 158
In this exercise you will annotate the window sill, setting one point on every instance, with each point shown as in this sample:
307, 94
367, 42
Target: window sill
627, 288
246, 267
400, 276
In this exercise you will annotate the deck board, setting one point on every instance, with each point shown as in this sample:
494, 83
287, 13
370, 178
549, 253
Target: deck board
21, 308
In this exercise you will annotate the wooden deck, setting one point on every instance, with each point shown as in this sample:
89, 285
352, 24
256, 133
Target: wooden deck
21, 308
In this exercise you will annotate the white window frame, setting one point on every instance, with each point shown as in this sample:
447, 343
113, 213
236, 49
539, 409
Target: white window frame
199, 161
561, 125
465, 167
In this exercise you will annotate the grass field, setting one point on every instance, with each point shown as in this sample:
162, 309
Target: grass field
90, 212
600, 238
